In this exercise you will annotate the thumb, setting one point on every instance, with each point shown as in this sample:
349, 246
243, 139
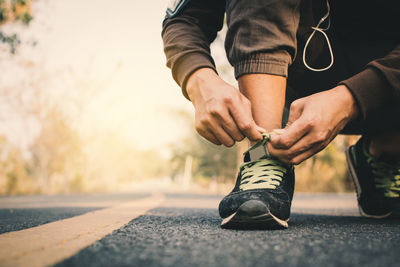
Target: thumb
260, 129
296, 109
275, 135
288, 135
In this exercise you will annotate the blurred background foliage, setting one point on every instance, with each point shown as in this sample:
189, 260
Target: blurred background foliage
59, 158
14, 11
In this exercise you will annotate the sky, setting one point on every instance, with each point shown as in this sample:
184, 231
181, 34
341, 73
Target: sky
116, 44
121, 33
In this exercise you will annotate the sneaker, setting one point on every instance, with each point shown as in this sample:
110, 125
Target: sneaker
263, 193
377, 182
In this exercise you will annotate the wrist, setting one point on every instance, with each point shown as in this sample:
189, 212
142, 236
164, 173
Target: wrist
196, 79
348, 101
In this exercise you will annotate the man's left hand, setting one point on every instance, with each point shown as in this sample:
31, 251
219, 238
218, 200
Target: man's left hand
314, 121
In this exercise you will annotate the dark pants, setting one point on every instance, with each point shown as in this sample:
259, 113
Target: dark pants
350, 57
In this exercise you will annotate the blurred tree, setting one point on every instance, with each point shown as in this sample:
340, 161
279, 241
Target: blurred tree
57, 158
326, 171
210, 162
14, 174
46, 151
12, 11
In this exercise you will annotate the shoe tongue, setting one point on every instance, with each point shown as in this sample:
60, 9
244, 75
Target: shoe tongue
259, 150
256, 153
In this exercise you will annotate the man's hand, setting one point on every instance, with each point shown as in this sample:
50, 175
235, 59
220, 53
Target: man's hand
314, 121
223, 115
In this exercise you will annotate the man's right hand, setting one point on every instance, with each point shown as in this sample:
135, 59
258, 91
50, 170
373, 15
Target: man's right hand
222, 114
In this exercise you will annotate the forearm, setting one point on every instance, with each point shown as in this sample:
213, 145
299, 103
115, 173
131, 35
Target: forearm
267, 96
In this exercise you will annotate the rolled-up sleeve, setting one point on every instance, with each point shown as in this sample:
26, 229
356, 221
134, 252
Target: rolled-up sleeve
261, 35
378, 85
187, 37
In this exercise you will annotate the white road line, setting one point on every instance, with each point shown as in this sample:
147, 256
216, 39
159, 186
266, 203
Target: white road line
53, 242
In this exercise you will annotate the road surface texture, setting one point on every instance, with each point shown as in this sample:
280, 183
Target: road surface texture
17, 213
183, 230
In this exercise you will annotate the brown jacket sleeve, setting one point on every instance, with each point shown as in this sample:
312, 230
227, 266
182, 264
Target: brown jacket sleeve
378, 85
187, 37
261, 35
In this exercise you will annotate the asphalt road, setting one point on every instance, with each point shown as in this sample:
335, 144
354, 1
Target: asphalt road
22, 212
18, 219
324, 230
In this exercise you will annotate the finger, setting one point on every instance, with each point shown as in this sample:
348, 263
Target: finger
229, 126
296, 109
297, 159
278, 131
245, 122
292, 134
233, 131
223, 137
250, 131
304, 144
320, 142
208, 135
260, 129
277, 153
306, 154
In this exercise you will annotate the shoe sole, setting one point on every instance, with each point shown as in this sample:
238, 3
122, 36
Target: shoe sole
253, 215
357, 186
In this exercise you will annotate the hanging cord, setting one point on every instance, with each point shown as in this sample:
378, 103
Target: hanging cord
322, 31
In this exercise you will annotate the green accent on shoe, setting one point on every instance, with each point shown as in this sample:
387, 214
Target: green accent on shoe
386, 176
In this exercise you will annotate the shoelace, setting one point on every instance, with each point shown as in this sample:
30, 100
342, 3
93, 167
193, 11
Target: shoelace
264, 173
386, 176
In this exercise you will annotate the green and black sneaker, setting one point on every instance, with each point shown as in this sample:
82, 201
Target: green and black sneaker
263, 193
377, 182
